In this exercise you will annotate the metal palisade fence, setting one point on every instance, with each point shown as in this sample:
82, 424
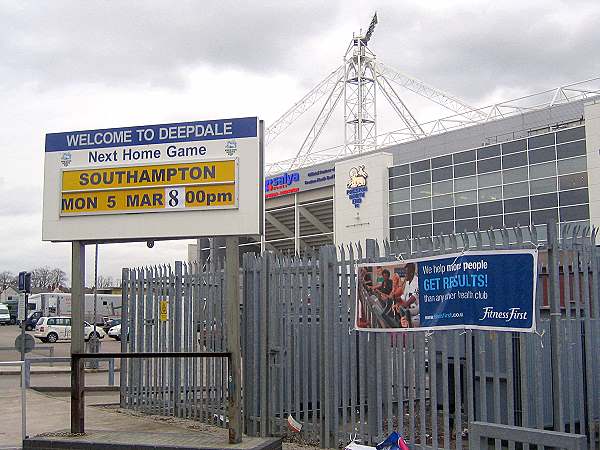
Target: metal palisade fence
302, 358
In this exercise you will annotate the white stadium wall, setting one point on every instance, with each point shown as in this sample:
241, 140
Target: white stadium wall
370, 218
592, 137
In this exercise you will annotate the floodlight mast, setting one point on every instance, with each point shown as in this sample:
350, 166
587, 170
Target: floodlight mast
360, 99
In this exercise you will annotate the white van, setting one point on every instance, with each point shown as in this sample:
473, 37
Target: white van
4, 314
52, 329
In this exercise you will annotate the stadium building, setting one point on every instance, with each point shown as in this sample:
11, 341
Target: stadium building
529, 168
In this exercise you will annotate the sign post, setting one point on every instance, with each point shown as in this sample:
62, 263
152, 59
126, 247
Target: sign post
77, 343
232, 272
25, 288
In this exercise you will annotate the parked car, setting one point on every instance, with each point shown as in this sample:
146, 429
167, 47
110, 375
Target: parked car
31, 321
52, 329
110, 323
115, 332
4, 314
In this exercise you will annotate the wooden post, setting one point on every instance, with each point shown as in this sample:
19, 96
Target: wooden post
77, 345
234, 404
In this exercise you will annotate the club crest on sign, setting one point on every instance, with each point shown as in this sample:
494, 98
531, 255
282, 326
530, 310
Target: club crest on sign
357, 185
230, 147
65, 159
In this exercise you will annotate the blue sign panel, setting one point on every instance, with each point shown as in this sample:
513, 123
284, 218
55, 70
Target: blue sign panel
492, 290
206, 130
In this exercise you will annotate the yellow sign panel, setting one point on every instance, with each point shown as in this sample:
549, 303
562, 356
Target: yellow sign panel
147, 200
149, 176
164, 310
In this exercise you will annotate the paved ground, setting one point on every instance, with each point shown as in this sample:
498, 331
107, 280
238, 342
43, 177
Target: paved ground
48, 413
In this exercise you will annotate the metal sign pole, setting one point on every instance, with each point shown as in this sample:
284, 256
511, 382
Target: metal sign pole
77, 345
234, 406
23, 330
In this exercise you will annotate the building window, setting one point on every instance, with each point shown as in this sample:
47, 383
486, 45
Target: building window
488, 165
514, 146
465, 212
543, 186
464, 170
400, 208
574, 197
464, 157
421, 204
542, 170
544, 216
573, 181
442, 215
515, 175
519, 219
571, 149
399, 195
443, 228
443, 201
421, 218
420, 178
444, 173
490, 208
421, 230
420, 166
399, 182
544, 201
488, 152
514, 160
465, 184
400, 233
494, 222
490, 194
572, 165
466, 225
423, 190
542, 140
441, 161
400, 221
398, 170
516, 204
465, 198
515, 190
490, 179
542, 155
443, 187
570, 213
572, 134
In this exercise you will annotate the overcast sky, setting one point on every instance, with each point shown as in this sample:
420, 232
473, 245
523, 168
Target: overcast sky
69, 65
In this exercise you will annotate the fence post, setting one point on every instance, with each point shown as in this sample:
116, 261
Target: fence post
111, 372
325, 336
177, 341
265, 414
554, 294
373, 419
124, 337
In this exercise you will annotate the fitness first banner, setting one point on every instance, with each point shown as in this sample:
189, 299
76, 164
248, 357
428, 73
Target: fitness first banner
490, 290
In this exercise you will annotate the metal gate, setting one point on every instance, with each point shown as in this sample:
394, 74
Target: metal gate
301, 357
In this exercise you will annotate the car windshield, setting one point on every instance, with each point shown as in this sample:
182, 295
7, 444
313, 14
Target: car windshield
3, 309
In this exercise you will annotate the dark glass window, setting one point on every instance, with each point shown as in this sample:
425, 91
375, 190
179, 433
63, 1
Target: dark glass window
494, 222
570, 213
488, 165
419, 166
422, 217
571, 134
574, 197
462, 170
441, 215
465, 212
544, 201
442, 201
400, 207
399, 182
463, 157
400, 233
544, 216
542, 155
441, 161
400, 221
441, 174
488, 152
443, 228
514, 160
516, 204
399, 195
466, 225
512, 220
514, 146
573, 181
490, 208
420, 178
398, 170
421, 231
541, 141
576, 148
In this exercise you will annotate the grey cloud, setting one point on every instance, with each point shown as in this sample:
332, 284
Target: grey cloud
149, 42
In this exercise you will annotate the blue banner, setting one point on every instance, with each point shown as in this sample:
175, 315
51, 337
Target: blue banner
206, 130
492, 290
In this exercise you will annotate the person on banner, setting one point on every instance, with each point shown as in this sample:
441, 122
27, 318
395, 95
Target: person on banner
384, 289
407, 306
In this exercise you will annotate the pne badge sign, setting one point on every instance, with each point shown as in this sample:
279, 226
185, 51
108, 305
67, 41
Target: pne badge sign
489, 290
204, 178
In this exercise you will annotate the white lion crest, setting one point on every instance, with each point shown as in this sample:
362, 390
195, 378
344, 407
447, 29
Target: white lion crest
358, 177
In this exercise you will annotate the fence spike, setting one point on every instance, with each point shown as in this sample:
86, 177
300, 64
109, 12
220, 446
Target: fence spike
519, 235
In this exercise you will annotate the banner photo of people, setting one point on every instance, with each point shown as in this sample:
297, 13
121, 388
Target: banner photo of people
489, 290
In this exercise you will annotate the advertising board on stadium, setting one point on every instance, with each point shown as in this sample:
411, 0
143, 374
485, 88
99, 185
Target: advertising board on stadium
108, 185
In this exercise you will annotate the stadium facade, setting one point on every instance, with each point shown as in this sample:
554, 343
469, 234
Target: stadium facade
531, 168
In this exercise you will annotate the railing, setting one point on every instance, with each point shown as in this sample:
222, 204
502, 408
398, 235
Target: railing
23, 395
67, 359
481, 432
78, 376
